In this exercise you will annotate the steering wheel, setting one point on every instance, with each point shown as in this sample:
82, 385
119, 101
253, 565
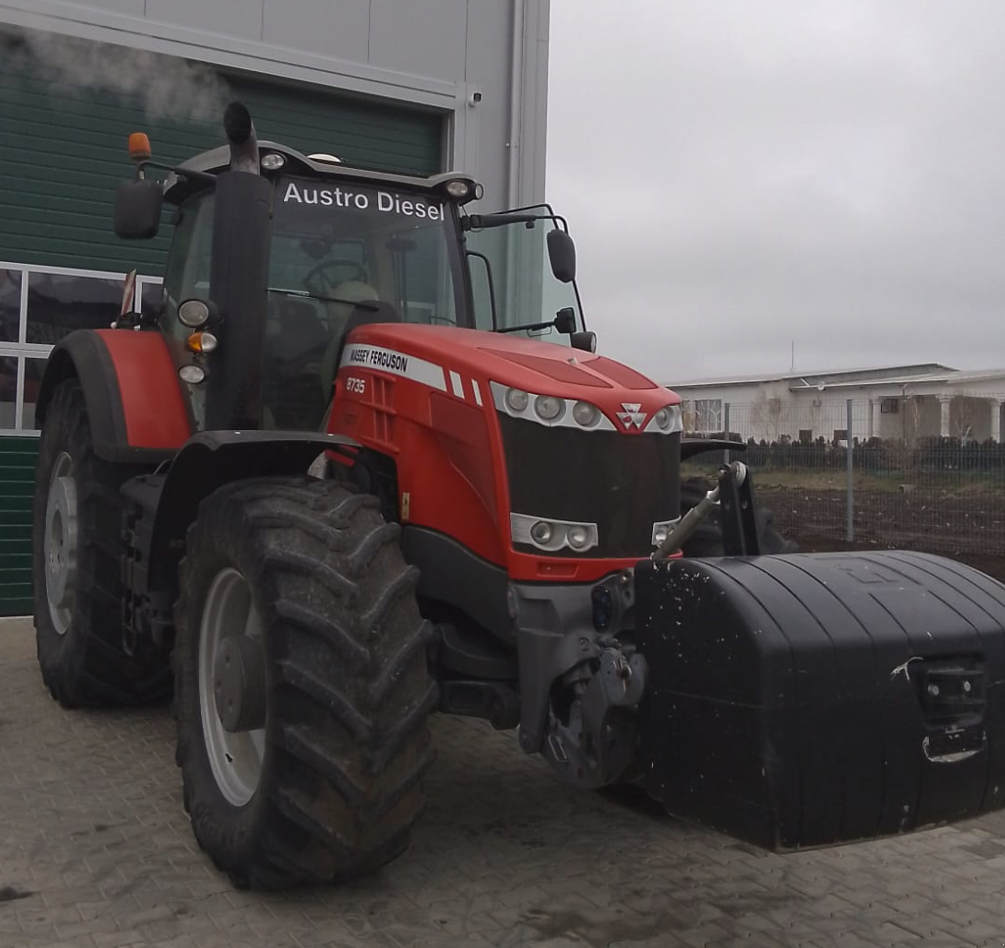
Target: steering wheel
320, 273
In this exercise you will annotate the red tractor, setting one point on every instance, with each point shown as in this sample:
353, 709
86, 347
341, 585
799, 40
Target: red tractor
363, 464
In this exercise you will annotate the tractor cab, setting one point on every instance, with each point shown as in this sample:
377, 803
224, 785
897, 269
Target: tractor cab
259, 346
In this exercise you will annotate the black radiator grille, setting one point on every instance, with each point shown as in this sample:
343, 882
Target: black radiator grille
622, 483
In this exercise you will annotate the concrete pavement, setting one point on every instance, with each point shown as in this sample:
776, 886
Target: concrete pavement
96, 852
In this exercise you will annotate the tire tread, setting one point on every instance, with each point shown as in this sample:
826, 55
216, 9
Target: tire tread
348, 741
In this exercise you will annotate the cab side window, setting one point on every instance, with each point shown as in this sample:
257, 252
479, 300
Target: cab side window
187, 273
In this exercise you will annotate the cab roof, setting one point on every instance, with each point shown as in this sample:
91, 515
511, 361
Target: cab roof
177, 187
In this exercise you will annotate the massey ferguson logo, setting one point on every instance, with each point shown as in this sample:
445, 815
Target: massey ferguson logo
631, 416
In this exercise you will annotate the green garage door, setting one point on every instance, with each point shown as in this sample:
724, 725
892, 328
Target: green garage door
62, 153
17, 475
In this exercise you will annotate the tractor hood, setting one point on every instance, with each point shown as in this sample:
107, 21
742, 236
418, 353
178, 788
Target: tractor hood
451, 359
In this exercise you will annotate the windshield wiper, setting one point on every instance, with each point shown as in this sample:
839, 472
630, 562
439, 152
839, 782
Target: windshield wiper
372, 305
564, 321
529, 327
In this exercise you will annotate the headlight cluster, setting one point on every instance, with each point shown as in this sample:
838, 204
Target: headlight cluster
195, 314
553, 535
549, 409
553, 410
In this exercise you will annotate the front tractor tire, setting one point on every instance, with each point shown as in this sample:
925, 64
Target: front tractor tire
302, 689
76, 550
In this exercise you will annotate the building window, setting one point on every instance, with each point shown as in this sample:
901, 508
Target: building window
10, 305
59, 303
8, 392
33, 369
708, 414
39, 306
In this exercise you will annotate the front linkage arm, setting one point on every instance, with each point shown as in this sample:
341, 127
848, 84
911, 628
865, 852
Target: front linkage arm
735, 498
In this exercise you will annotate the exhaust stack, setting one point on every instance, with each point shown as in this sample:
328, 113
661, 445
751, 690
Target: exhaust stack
243, 141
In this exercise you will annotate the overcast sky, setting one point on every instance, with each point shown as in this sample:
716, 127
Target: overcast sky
741, 176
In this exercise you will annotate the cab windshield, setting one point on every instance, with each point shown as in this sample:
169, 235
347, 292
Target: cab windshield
344, 255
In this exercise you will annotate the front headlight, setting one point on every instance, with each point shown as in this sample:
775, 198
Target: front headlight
551, 536
193, 313
548, 407
666, 420
517, 400
578, 537
193, 374
541, 532
586, 414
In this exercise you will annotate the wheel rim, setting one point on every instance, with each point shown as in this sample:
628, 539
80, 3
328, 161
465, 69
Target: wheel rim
235, 758
60, 543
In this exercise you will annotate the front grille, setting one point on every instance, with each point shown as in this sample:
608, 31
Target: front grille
622, 483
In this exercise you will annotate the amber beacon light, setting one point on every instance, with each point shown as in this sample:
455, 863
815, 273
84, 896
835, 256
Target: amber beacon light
139, 146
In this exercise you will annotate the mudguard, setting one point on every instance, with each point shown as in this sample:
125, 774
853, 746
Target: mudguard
814, 699
211, 459
131, 389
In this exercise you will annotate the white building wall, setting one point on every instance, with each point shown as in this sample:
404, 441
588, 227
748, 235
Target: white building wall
770, 411
437, 54
965, 405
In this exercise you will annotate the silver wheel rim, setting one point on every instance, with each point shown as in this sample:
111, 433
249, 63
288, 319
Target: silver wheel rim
235, 759
59, 547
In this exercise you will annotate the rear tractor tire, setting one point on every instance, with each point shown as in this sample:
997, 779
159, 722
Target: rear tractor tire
707, 539
76, 569
302, 689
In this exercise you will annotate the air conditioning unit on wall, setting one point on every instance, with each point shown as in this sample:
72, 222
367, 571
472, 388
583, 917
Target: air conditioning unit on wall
889, 406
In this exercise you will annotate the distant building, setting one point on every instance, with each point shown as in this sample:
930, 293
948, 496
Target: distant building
902, 402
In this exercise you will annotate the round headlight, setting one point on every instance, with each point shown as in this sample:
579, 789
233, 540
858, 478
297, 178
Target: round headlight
541, 532
193, 313
578, 537
193, 374
458, 189
272, 161
548, 407
586, 414
517, 400
665, 418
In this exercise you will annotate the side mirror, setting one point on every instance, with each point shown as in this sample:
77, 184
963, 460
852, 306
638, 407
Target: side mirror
138, 209
562, 254
585, 341
565, 320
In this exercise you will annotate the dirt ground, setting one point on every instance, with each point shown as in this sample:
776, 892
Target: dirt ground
970, 529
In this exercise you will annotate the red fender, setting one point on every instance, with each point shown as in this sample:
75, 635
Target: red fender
131, 389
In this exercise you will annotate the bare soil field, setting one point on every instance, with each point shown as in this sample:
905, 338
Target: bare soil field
969, 527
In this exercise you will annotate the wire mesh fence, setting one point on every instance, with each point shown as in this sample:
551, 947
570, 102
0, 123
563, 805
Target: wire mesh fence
841, 471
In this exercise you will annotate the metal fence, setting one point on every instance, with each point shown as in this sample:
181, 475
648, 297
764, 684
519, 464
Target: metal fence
828, 477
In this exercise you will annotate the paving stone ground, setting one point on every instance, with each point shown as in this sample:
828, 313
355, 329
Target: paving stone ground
95, 851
